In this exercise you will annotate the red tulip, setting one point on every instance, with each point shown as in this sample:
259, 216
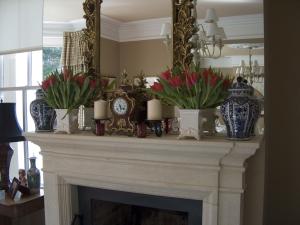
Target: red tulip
213, 80
175, 81
166, 75
93, 84
157, 87
80, 80
191, 79
226, 84
50, 81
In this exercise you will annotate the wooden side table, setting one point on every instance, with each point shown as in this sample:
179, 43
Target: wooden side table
13, 210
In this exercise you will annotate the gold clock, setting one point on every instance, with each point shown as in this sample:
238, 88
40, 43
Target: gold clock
122, 107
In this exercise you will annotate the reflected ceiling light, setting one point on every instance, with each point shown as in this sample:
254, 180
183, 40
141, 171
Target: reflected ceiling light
208, 42
253, 71
166, 32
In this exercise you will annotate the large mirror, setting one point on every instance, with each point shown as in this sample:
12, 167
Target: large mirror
228, 37
131, 37
73, 41
136, 36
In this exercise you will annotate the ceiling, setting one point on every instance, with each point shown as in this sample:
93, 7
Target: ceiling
132, 10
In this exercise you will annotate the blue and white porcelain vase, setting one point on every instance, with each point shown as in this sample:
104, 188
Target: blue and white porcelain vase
33, 176
240, 111
42, 114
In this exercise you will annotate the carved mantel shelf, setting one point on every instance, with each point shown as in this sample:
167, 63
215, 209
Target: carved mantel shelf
210, 170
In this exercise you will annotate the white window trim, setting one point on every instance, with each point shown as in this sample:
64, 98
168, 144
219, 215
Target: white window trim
24, 90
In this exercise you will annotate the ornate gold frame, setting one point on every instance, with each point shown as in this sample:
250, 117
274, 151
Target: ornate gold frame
183, 30
92, 35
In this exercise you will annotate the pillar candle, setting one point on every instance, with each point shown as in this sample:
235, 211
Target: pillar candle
100, 109
154, 110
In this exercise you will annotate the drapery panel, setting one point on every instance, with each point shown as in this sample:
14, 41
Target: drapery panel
73, 52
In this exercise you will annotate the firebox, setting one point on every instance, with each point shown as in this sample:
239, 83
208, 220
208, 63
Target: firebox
108, 207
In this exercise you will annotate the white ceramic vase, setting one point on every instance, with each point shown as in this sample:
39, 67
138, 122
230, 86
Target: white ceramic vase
66, 123
192, 121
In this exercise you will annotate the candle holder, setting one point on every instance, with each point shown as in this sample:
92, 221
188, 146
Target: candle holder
141, 130
157, 126
168, 125
100, 127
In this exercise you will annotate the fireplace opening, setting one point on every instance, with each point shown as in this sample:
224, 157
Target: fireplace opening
106, 207
108, 213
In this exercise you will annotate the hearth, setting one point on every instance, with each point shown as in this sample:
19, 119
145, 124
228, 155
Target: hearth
106, 207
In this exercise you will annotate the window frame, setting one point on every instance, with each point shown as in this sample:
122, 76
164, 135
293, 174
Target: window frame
24, 90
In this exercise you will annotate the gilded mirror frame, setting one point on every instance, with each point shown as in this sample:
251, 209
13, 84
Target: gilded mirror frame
183, 30
92, 35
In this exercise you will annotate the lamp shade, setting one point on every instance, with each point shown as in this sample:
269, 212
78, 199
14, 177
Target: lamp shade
212, 29
221, 33
211, 16
166, 29
10, 130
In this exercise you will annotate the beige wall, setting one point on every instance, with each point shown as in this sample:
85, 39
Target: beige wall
151, 56
110, 57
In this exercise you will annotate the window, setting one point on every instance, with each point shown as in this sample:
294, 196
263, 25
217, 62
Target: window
20, 75
51, 59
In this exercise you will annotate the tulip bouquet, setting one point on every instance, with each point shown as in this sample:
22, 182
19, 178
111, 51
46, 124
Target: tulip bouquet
63, 90
192, 89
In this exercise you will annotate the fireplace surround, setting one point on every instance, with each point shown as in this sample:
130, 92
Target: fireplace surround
211, 170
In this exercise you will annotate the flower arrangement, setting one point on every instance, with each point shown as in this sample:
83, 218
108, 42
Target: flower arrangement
192, 89
63, 90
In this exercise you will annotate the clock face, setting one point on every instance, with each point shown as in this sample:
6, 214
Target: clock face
120, 106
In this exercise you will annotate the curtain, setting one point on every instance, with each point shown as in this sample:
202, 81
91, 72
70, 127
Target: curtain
74, 47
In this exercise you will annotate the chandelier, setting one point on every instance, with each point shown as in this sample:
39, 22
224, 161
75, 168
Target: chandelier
253, 72
208, 41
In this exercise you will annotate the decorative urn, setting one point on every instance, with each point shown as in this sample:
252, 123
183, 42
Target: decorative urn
240, 111
42, 114
33, 176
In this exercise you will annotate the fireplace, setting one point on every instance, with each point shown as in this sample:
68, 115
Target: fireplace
106, 207
210, 171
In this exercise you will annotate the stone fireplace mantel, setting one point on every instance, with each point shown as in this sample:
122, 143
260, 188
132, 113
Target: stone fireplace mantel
210, 170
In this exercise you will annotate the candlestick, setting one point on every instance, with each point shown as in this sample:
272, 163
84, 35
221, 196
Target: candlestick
168, 111
154, 110
100, 109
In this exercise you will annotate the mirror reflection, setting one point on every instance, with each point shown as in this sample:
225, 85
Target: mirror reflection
131, 37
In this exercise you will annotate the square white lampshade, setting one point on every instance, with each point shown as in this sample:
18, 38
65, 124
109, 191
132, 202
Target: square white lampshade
202, 35
211, 16
242, 64
221, 34
166, 29
211, 29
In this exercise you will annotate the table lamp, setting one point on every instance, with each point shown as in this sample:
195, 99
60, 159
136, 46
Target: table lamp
10, 131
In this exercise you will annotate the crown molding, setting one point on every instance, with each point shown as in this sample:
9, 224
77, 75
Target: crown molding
230, 61
236, 27
142, 29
